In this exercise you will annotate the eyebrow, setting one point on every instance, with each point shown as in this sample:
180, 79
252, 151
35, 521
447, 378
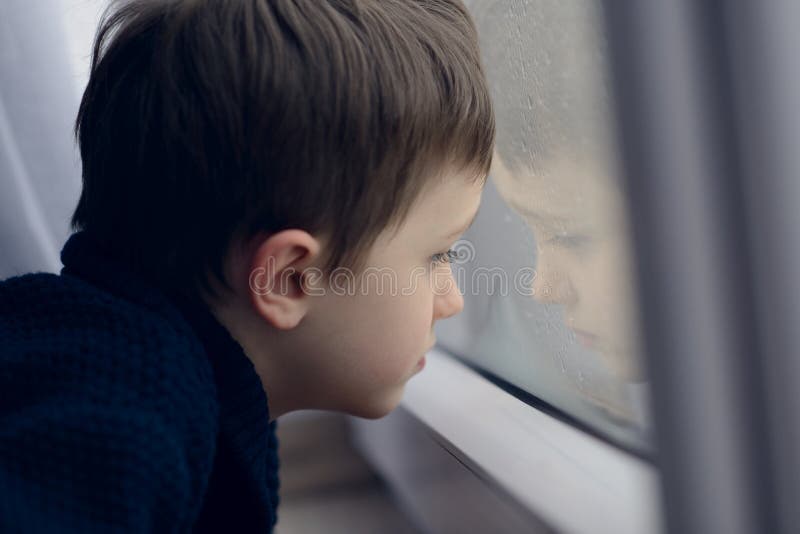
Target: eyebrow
465, 228
542, 218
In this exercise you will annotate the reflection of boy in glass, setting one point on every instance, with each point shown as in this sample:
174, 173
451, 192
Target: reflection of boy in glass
555, 166
582, 255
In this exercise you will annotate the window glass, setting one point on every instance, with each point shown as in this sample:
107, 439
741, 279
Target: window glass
546, 270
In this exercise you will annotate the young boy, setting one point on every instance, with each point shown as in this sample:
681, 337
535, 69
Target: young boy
240, 159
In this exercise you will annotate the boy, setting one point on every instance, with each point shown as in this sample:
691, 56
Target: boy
236, 156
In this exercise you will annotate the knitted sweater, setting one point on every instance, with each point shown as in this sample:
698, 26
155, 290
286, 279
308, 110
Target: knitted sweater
123, 410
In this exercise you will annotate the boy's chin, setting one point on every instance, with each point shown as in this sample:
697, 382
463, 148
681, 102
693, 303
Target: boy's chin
378, 408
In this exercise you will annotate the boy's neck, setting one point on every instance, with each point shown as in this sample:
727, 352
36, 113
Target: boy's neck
258, 344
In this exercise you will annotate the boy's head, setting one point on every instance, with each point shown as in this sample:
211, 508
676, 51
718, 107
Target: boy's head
220, 138
205, 121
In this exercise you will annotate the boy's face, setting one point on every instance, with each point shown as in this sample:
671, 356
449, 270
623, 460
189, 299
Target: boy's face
365, 334
583, 254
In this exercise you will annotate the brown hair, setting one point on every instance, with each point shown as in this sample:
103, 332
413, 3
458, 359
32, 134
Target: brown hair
206, 119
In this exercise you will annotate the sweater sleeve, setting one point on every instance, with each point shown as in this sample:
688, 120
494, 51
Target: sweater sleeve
88, 467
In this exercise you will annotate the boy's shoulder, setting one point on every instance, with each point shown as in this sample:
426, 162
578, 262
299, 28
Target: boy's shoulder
70, 325
101, 388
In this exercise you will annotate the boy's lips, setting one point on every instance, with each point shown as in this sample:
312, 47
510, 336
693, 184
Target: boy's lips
421, 362
587, 339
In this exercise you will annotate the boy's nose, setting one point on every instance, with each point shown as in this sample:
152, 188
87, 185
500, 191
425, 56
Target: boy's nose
553, 286
448, 303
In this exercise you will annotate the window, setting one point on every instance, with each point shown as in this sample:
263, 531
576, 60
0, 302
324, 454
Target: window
546, 270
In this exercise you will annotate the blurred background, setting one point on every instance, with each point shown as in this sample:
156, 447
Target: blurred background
326, 485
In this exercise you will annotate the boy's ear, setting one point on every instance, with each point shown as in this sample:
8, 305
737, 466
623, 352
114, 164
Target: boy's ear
276, 283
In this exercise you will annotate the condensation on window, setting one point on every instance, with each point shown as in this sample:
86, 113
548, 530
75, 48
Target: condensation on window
549, 289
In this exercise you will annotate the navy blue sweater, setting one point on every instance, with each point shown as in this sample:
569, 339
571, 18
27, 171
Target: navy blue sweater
124, 410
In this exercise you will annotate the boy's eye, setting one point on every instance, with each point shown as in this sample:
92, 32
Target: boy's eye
445, 257
574, 242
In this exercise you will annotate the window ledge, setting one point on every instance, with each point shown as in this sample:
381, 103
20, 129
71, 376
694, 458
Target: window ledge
573, 481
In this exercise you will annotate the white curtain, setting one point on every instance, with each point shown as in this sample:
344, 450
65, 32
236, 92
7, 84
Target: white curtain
44, 56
